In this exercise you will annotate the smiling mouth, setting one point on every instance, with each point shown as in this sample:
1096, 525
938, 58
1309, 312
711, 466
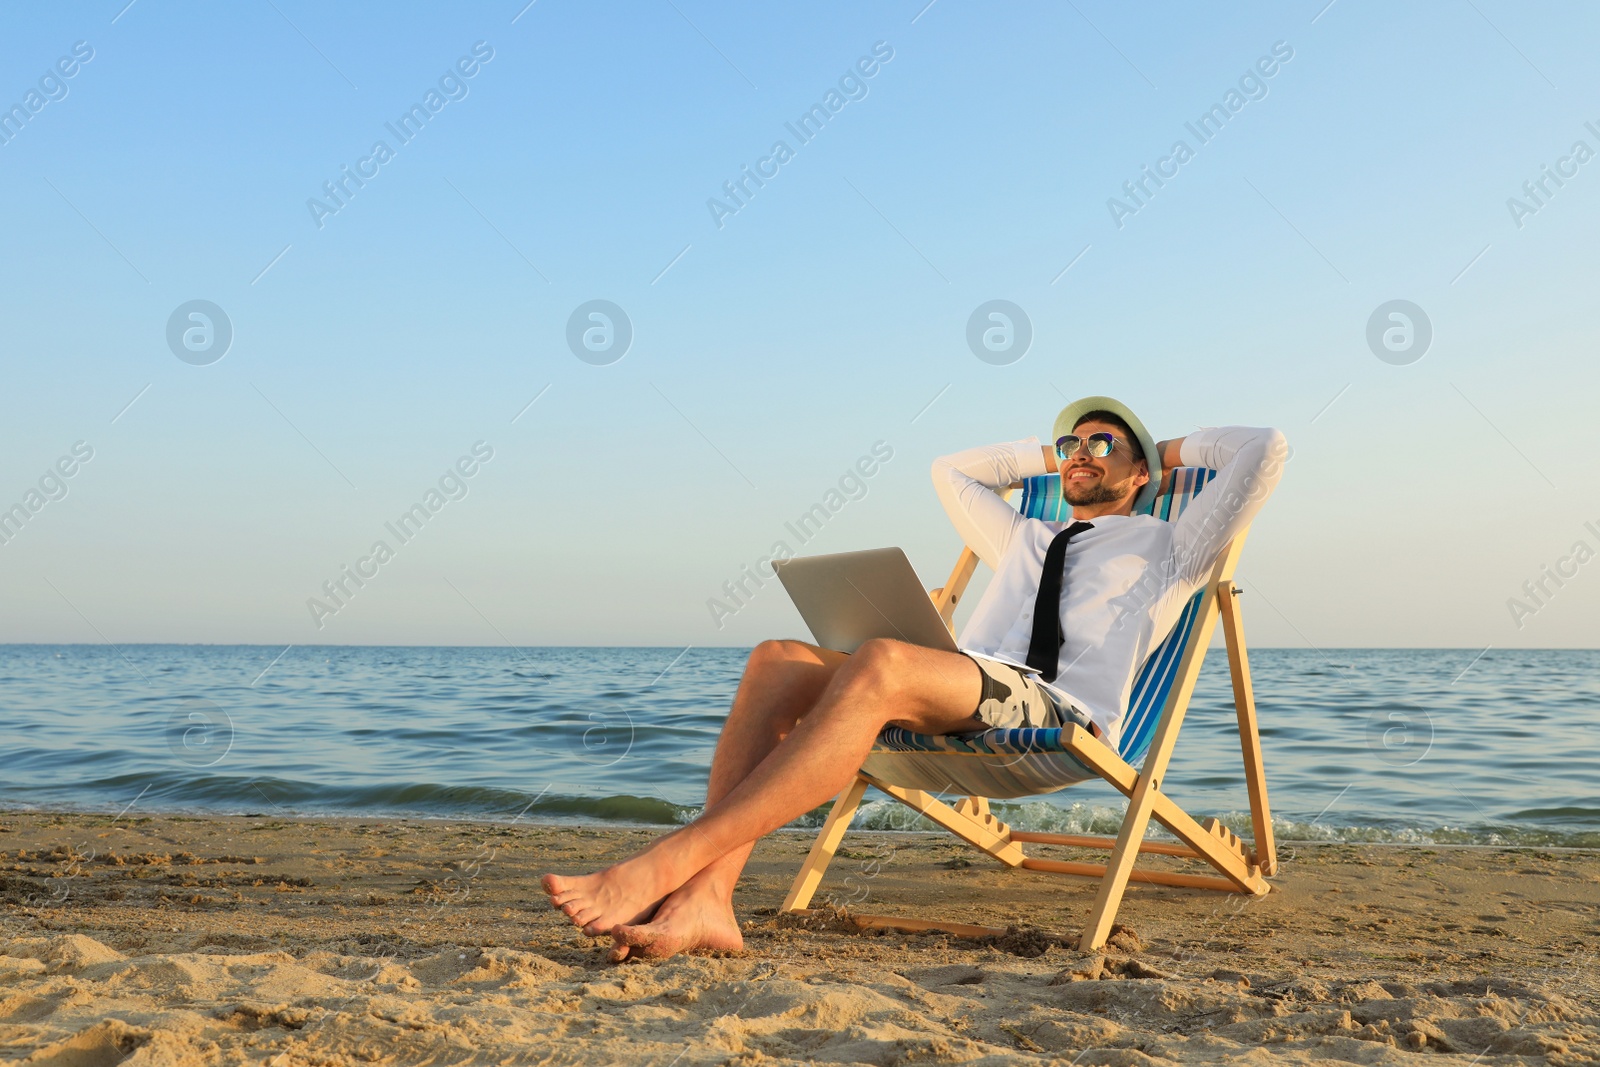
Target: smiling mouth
1083, 472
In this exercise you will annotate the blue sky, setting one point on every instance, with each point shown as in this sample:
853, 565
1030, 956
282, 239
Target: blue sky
371, 353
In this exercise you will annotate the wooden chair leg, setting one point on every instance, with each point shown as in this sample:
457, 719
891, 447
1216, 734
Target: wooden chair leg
823, 848
1244, 702
1142, 801
1213, 843
1119, 866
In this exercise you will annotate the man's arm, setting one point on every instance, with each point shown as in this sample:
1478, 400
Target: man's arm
966, 483
1248, 461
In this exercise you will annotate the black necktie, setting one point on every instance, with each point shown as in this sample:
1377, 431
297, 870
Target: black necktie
1044, 651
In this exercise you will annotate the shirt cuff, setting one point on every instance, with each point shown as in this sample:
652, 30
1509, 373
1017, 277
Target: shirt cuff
1196, 446
1029, 457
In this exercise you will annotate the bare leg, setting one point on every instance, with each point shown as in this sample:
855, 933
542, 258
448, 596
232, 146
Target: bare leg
782, 681
885, 681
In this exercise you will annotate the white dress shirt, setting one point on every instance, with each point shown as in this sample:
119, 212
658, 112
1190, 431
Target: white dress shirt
1125, 582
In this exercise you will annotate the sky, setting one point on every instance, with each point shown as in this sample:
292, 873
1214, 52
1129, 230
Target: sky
360, 348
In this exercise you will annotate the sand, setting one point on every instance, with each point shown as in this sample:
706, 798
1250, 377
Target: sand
224, 940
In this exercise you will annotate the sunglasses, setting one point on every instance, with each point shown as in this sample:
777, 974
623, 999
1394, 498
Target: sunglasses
1099, 445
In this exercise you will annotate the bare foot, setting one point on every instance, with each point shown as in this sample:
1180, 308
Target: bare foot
625, 893
689, 919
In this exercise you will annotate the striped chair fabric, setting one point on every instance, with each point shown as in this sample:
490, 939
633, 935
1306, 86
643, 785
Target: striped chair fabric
1017, 763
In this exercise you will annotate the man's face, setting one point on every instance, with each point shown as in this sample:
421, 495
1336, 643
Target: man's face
1112, 479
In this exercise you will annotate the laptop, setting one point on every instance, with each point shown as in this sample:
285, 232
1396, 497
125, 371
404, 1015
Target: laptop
848, 598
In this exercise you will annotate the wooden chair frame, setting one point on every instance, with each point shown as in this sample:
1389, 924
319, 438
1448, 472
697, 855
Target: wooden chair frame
1243, 868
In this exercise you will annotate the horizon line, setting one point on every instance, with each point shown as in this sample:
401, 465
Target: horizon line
258, 644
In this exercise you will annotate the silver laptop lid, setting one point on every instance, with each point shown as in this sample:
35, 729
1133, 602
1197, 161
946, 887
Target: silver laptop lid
851, 597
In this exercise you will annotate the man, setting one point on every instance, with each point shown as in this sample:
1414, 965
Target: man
804, 717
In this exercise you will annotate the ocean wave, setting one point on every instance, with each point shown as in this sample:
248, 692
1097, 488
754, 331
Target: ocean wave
1427, 747
490, 805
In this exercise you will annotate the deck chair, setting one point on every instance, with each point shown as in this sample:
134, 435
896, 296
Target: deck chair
1015, 763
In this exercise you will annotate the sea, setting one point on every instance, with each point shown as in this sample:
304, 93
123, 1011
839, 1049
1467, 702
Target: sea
1417, 746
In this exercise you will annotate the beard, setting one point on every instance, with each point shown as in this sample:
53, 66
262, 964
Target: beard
1098, 493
